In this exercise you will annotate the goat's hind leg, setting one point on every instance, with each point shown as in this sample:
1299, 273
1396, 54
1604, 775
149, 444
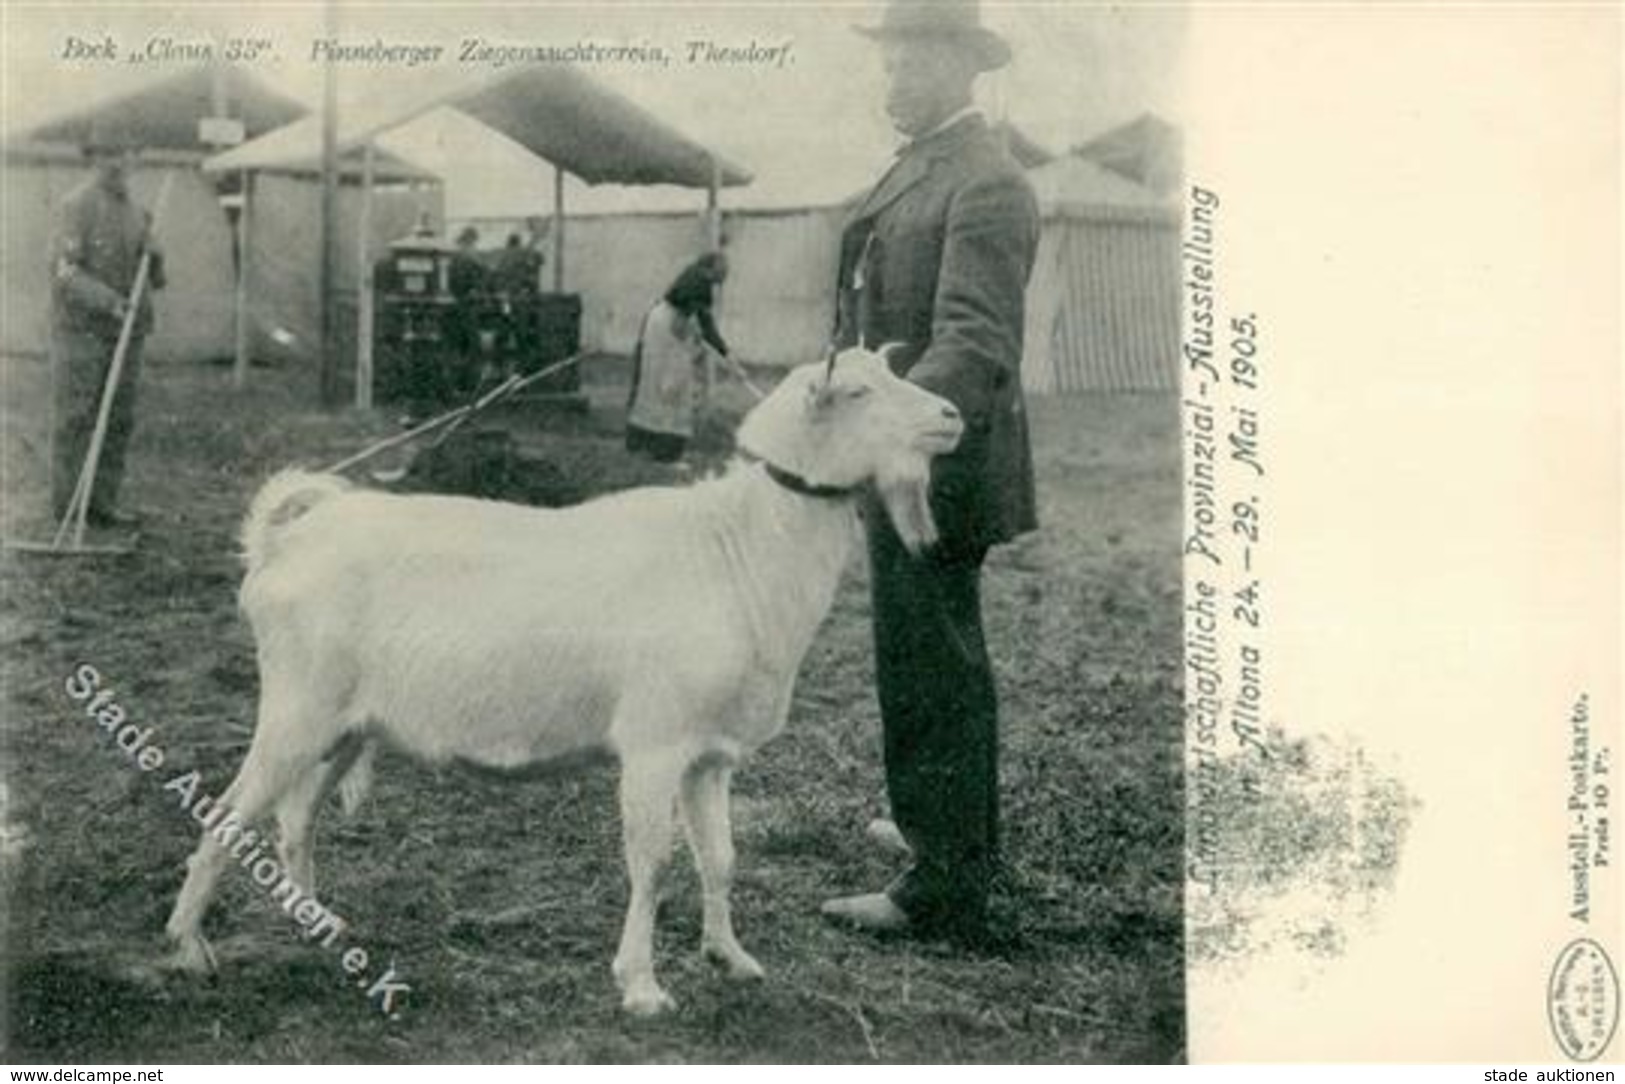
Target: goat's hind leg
710, 837
297, 811
276, 760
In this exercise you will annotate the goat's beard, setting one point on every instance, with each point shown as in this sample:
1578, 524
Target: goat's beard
906, 493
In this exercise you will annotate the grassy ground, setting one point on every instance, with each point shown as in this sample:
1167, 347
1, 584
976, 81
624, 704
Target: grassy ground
500, 902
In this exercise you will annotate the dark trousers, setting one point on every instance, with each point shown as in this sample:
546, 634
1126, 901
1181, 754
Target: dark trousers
939, 714
79, 367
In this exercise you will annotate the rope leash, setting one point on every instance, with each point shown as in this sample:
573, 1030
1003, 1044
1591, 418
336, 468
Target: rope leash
739, 371
514, 383
508, 387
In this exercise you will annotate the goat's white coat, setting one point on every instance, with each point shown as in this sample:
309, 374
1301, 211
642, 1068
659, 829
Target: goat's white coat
664, 626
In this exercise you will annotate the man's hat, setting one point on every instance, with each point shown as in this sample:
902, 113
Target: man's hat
959, 21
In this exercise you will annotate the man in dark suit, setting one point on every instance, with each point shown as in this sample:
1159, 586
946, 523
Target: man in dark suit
937, 258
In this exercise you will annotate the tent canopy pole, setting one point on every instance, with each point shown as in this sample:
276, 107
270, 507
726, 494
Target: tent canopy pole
239, 368
558, 229
328, 257
363, 308
713, 215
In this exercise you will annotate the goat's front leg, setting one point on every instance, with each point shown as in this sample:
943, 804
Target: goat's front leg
710, 837
648, 792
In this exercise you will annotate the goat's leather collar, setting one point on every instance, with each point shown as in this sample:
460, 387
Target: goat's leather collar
795, 483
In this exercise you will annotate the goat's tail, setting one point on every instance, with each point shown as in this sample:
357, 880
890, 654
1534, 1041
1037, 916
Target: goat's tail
287, 496
357, 781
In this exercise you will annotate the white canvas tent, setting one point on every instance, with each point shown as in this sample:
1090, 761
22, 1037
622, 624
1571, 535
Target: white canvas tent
43, 163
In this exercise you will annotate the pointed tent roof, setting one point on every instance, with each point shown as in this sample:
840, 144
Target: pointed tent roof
1023, 148
1074, 185
1146, 149
163, 115
556, 113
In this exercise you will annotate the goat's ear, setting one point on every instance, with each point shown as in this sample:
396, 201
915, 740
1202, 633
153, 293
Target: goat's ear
886, 350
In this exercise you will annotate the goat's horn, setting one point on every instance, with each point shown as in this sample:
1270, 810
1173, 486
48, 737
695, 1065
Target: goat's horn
887, 350
829, 363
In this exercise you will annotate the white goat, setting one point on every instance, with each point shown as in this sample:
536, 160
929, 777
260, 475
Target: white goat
664, 626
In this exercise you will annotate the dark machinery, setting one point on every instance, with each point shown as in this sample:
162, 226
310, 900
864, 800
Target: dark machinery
415, 317
533, 329
450, 321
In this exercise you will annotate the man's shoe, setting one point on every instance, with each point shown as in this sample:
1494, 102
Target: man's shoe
871, 913
885, 834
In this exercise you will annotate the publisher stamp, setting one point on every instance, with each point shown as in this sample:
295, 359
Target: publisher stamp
1582, 999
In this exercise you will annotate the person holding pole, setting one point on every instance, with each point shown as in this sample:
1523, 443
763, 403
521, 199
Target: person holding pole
101, 237
678, 334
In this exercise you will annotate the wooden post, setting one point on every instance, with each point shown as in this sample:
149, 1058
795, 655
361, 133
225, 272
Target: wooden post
558, 229
217, 80
328, 282
363, 349
239, 368
713, 213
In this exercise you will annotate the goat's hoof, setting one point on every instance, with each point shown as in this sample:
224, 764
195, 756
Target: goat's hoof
647, 1000
736, 963
193, 956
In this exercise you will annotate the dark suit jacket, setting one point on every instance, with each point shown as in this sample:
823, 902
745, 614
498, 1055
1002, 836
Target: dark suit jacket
937, 257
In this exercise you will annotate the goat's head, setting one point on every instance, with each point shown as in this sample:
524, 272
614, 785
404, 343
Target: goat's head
851, 421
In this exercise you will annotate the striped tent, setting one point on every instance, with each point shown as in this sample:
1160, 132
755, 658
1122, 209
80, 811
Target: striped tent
1103, 304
